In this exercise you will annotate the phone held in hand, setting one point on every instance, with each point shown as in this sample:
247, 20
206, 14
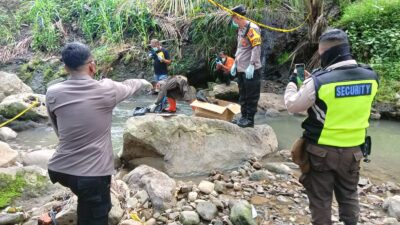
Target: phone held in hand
300, 72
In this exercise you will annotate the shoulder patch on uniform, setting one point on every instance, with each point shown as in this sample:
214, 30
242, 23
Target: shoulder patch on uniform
353, 90
254, 37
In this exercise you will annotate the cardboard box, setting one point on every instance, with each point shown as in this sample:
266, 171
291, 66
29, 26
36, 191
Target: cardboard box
222, 110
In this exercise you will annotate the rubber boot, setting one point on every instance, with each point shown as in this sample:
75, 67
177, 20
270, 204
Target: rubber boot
236, 121
172, 105
246, 122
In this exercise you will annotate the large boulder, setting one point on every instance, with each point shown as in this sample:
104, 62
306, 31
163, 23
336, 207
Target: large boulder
8, 155
158, 185
37, 158
7, 133
186, 145
224, 92
11, 85
392, 206
14, 104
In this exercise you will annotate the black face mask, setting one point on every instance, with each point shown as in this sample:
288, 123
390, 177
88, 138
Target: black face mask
336, 54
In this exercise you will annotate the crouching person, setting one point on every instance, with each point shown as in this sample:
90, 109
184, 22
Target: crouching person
80, 110
174, 88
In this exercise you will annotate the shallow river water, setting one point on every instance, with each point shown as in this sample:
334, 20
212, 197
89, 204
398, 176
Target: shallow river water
385, 158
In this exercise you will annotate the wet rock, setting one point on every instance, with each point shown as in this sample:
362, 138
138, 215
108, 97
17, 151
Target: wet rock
11, 85
188, 137
278, 168
37, 158
224, 92
11, 218
8, 155
271, 101
7, 133
158, 185
241, 214
14, 104
207, 210
206, 187
392, 206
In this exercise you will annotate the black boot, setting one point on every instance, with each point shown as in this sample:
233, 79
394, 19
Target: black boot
237, 121
246, 122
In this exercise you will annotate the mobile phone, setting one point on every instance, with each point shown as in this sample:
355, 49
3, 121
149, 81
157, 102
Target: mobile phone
300, 71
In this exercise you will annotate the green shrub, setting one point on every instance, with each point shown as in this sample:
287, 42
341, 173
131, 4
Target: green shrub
373, 27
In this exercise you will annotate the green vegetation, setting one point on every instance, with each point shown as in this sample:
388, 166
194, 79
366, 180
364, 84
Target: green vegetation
10, 188
374, 31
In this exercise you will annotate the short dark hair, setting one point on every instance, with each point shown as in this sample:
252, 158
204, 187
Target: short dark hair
334, 35
75, 54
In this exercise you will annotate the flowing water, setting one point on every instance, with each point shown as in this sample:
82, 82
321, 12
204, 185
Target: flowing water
385, 158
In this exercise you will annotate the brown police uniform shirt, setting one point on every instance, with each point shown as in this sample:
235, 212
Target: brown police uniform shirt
80, 111
248, 48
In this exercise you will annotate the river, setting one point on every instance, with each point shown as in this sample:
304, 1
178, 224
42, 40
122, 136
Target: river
385, 158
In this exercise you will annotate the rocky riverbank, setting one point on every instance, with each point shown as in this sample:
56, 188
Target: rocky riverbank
255, 193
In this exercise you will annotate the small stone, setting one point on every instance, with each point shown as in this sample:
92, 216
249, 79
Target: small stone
185, 189
163, 219
241, 213
207, 210
130, 222
260, 190
156, 215
187, 208
229, 185
259, 175
151, 221
282, 199
192, 196
237, 187
189, 218
7, 134
235, 173
363, 181
242, 172
206, 187
257, 165
278, 168
219, 186
173, 216
390, 221
392, 206
217, 202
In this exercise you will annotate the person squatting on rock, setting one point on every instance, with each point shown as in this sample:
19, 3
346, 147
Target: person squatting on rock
247, 66
161, 60
223, 68
80, 111
175, 88
338, 98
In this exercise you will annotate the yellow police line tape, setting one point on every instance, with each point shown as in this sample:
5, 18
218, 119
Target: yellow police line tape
34, 104
259, 24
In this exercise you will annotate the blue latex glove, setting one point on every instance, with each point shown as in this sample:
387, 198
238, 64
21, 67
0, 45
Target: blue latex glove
233, 70
250, 72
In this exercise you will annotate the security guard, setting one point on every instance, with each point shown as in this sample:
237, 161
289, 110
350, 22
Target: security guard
247, 66
338, 98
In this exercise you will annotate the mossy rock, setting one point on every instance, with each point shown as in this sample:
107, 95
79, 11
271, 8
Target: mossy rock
16, 182
14, 104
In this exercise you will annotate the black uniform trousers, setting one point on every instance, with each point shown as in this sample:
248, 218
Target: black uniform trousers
249, 93
94, 199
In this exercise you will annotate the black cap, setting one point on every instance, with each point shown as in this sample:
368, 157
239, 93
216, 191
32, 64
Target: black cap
240, 9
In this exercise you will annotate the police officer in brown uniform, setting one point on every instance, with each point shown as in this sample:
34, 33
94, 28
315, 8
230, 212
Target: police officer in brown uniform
247, 66
338, 98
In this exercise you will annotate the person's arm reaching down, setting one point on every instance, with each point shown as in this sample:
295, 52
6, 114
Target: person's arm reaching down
301, 100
